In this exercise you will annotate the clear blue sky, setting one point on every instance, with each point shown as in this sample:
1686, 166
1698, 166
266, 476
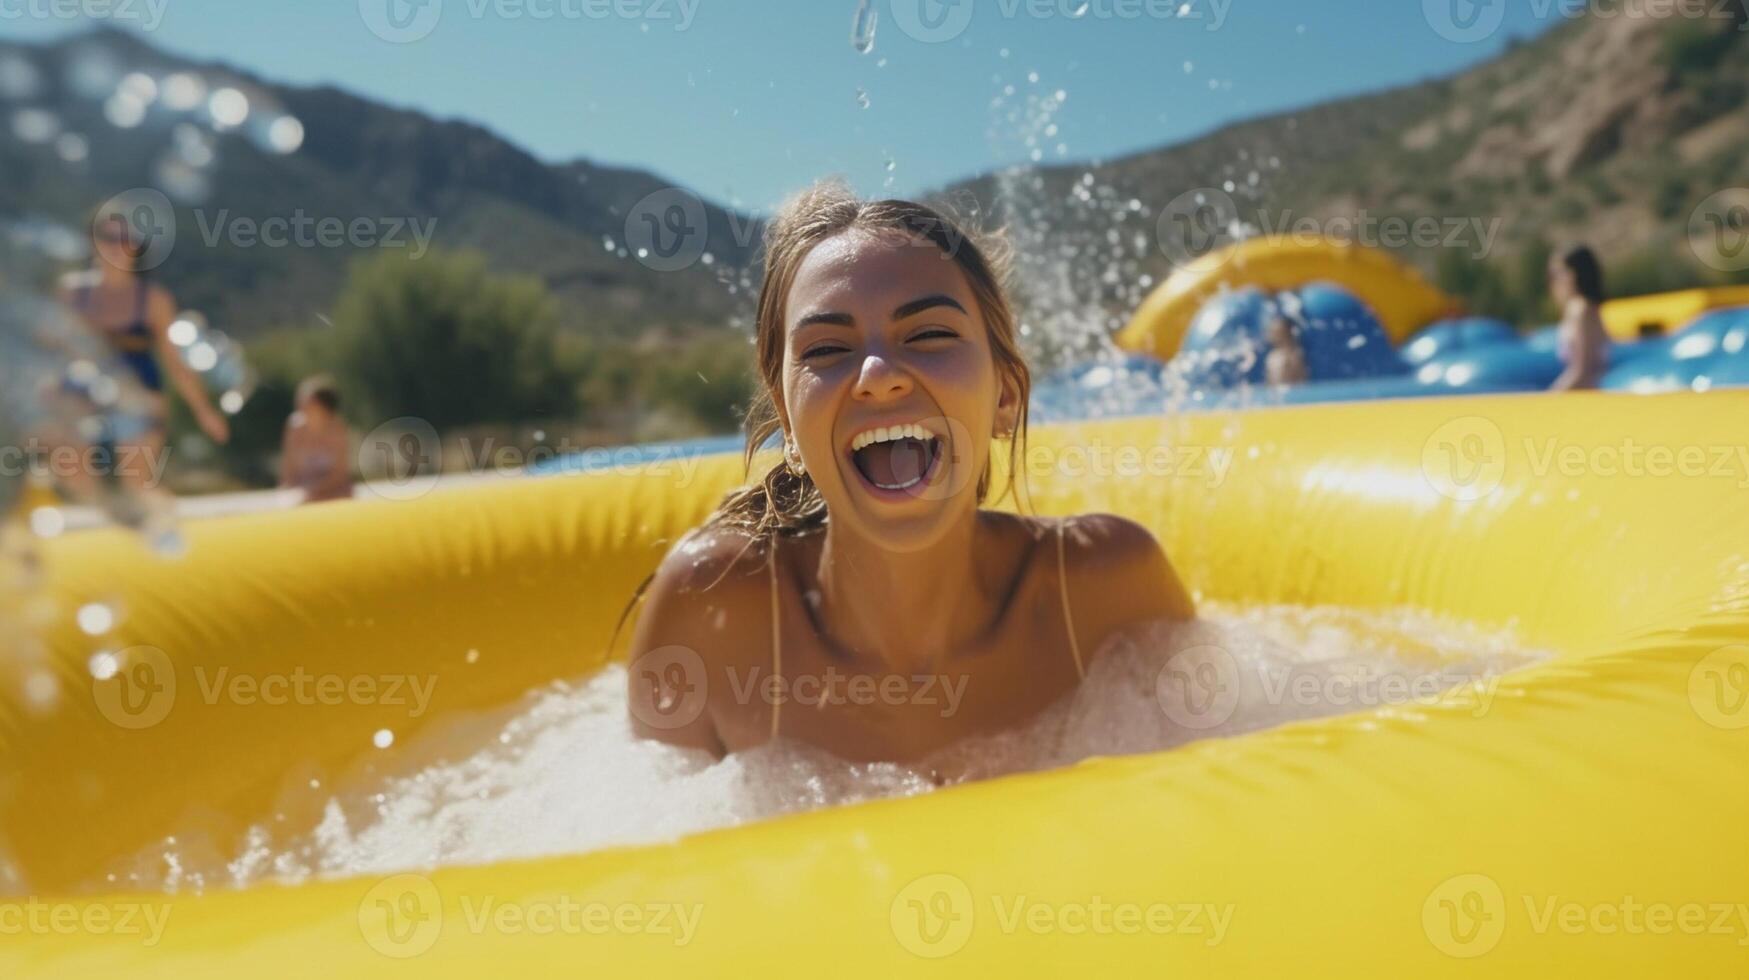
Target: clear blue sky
754, 98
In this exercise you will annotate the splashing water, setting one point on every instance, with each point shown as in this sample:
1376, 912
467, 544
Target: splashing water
862, 26
560, 773
1088, 249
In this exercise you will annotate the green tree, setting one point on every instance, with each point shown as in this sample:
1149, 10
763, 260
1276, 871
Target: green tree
1482, 287
1532, 304
443, 339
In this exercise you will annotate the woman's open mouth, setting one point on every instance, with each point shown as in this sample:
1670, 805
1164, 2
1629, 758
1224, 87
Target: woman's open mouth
896, 458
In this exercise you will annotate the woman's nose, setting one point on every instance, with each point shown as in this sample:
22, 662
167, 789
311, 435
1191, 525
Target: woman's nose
879, 380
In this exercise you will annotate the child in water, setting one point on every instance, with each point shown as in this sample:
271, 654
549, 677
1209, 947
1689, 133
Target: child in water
316, 452
858, 597
1286, 362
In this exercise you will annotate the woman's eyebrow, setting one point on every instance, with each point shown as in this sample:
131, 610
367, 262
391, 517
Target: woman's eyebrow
912, 308
831, 319
917, 306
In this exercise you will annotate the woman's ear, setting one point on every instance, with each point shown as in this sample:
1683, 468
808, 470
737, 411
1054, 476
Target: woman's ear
1007, 409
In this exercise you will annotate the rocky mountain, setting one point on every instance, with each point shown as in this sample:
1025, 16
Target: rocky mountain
1613, 128
409, 177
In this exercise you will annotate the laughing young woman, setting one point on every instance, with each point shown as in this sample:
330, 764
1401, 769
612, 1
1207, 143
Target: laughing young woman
858, 598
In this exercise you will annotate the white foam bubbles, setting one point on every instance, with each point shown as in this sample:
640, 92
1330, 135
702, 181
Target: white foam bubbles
559, 772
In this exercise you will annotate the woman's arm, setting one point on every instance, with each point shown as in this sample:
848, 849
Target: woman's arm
705, 604
1119, 579
160, 313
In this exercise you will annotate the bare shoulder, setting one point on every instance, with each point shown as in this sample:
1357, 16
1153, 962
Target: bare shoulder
1118, 565
707, 608
160, 305
718, 561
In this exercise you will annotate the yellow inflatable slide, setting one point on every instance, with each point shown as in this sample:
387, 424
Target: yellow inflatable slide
1584, 817
1403, 300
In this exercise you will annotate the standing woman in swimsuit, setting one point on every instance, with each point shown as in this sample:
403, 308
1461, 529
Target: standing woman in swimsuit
133, 315
1576, 282
857, 597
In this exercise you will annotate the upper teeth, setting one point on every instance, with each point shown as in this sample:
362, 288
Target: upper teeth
888, 434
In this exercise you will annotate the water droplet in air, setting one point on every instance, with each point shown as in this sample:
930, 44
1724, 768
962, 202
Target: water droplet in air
104, 664
95, 619
862, 98
862, 27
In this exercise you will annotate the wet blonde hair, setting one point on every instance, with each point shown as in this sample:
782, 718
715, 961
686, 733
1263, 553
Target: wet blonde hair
787, 502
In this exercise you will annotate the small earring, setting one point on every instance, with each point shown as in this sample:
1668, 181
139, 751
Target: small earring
792, 460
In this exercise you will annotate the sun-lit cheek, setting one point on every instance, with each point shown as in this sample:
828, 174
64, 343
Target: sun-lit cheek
968, 384
808, 396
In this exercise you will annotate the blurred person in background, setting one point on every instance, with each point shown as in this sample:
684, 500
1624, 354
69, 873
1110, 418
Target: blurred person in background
316, 453
132, 314
1286, 361
1576, 283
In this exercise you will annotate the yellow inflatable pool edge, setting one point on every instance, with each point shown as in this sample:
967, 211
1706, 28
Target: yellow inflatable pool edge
1635, 317
1584, 814
1402, 299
